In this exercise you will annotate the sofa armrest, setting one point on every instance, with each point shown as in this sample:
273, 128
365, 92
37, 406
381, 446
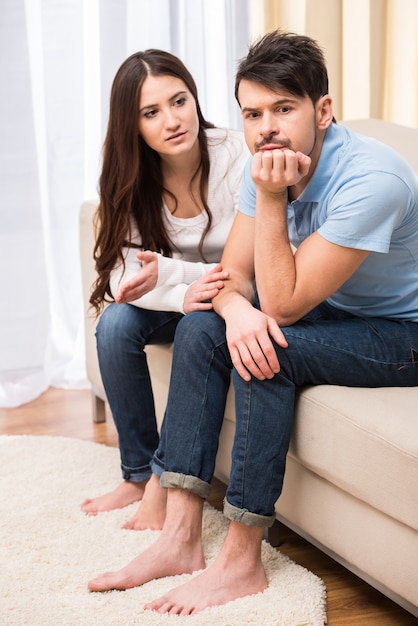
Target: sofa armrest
88, 275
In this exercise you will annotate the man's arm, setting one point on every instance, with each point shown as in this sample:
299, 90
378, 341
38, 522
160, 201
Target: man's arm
248, 330
288, 285
238, 257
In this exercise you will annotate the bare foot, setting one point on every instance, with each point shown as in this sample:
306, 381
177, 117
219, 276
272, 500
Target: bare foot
126, 493
152, 509
178, 550
234, 574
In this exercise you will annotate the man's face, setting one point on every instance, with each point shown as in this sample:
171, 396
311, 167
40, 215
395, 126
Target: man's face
276, 119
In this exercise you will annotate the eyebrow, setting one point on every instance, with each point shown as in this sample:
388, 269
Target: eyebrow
153, 106
280, 102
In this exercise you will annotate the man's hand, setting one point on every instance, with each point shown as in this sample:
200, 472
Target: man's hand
143, 282
276, 170
249, 334
200, 293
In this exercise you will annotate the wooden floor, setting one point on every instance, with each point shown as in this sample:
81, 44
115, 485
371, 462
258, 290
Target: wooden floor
351, 602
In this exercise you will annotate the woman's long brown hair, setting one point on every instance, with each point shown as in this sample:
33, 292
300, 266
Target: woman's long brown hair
130, 184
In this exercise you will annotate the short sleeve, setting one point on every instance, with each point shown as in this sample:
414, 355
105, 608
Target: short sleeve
247, 195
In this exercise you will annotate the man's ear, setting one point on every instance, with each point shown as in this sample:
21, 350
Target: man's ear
324, 114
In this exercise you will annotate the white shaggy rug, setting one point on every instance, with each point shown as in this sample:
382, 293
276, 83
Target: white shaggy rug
49, 549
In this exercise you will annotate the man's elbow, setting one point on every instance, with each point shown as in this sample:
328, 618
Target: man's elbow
282, 314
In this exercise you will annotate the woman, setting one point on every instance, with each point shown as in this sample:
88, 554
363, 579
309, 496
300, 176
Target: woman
169, 189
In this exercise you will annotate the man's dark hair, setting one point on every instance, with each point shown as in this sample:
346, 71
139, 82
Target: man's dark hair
285, 61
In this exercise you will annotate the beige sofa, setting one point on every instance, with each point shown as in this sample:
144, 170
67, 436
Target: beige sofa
351, 485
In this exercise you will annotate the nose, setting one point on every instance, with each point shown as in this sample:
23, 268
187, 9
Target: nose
269, 125
171, 118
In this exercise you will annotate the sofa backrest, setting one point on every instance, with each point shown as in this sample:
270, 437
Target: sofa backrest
403, 139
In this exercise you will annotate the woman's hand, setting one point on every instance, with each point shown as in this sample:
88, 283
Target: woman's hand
200, 293
143, 282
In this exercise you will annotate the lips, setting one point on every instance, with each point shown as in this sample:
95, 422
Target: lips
271, 146
176, 136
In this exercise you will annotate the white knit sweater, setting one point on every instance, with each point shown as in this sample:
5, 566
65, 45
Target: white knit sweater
227, 153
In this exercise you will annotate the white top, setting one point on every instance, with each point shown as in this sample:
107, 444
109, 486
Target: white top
228, 154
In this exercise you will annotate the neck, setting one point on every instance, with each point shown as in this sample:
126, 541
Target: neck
295, 191
181, 166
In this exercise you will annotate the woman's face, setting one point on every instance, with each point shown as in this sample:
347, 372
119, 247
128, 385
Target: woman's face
167, 116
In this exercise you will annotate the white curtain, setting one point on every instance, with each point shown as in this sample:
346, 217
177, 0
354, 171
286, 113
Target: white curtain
59, 58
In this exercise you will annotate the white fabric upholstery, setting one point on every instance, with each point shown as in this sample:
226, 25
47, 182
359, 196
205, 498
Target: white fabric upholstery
351, 484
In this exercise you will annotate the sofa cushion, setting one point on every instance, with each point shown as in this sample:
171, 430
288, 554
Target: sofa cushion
363, 441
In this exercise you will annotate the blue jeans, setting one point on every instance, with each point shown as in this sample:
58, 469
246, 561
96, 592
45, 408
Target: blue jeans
326, 347
122, 334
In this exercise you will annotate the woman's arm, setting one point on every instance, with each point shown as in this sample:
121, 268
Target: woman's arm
143, 291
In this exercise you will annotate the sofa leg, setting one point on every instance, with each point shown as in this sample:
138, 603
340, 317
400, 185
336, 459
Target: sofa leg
272, 534
99, 409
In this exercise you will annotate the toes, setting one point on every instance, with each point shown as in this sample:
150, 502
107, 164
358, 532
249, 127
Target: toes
129, 525
105, 582
154, 605
96, 584
186, 611
169, 607
88, 507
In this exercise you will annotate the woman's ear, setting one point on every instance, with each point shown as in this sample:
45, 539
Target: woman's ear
324, 114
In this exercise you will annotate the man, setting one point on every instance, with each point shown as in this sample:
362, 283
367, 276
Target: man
342, 310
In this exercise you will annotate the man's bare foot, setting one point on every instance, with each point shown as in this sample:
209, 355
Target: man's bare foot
237, 572
152, 510
163, 558
126, 493
178, 549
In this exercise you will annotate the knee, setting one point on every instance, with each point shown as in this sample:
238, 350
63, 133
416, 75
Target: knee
196, 328
116, 325
199, 336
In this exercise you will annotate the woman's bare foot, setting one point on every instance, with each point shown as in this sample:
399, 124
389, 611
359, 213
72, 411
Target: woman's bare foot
126, 493
152, 510
237, 572
178, 549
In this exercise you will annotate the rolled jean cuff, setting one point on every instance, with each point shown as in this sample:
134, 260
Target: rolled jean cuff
173, 480
234, 514
156, 468
136, 476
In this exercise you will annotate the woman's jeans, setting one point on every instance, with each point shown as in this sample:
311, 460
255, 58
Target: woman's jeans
327, 347
122, 333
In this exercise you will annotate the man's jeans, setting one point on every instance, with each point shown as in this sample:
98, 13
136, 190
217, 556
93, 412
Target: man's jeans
327, 347
122, 333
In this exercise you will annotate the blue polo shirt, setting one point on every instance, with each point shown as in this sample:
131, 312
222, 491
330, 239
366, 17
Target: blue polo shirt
362, 195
